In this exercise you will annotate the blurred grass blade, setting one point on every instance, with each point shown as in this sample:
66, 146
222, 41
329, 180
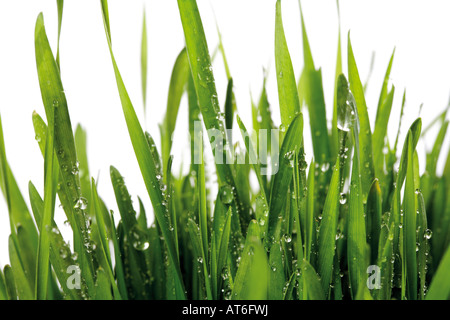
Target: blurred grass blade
24, 290
144, 58
334, 130
10, 284
384, 88
60, 5
440, 285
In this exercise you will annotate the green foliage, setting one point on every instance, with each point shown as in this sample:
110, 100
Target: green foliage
300, 233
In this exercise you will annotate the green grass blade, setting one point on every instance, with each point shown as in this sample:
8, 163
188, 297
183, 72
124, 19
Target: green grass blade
328, 228
365, 134
61, 257
23, 283
356, 228
287, 88
310, 235
145, 160
277, 278
373, 219
409, 231
83, 168
334, 130
10, 284
291, 145
177, 87
60, 4
223, 249
312, 282
17, 207
3, 292
311, 91
440, 285
251, 278
384, 88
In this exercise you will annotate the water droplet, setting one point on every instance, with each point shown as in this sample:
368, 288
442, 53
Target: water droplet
282, 128
200, 260
81, 203
343, 198
55, 103
139, 238
226, 194
325, 166
428, 234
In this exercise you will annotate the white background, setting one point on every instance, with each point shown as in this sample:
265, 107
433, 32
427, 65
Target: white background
418, 29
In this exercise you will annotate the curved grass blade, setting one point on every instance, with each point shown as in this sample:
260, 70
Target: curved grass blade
19, 214
10, 284
145, 160
251, 278
328, 228
23, 283
384, 89
177, 87
60, 4
3, 292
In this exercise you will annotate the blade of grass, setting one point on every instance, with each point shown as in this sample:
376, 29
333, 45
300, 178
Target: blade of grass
251, 277
365, 135
440, 285
144, 58
177, 87
292, 143
144, 158
287, 88
327, 231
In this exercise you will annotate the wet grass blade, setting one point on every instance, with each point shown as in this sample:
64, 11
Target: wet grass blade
365, 134
287, 88
312, 282
409, 233
145, 160
334, 129
373, 219
251, 277
311, 91
205, 88
277, 277
291, 145
327, 231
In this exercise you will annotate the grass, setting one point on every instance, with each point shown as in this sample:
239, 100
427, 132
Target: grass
310, 230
